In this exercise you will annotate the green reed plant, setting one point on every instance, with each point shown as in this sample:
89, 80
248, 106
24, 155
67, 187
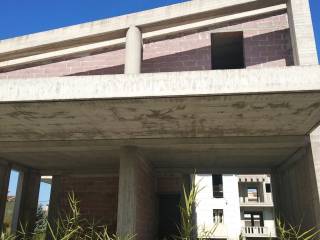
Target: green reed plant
186, 207
288, 231
69, 226
7, 236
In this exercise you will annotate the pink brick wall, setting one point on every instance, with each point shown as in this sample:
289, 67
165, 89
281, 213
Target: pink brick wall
266, 44
98, 197
169, 184
146, 207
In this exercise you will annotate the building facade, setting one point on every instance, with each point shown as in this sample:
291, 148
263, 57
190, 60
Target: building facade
121, 111
234, 206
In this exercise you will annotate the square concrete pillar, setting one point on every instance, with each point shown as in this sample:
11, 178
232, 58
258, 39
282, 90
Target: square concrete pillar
27, 200
136, 199
4, 184
54, 204
314, 140
296, 186
302, 35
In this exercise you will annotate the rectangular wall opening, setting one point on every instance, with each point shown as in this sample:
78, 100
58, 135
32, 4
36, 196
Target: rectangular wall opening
227, 50
217, 186
43, 207
11, 203
217, 216
169, 215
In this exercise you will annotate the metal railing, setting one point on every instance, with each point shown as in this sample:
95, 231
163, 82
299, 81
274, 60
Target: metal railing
255, 231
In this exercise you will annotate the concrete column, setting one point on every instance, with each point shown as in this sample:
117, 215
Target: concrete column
302, 35
314, 139
28, 199
133, 51
136, 199
54, 204
296, 186
4, 183
16, 210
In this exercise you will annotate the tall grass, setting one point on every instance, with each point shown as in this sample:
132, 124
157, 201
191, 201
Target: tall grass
287, 231
69, 226
72, 226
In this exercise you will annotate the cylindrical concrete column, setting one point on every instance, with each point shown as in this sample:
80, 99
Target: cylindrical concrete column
133, 51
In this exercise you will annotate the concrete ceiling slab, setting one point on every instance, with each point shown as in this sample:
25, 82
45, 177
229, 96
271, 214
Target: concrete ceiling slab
180, 117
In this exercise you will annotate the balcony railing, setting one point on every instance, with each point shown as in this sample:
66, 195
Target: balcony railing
255, 231
256, 201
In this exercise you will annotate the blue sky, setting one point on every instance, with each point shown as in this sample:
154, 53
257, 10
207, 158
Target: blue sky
315, 9
20, 17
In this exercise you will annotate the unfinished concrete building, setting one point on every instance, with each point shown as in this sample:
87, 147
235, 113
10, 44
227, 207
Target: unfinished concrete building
121, 111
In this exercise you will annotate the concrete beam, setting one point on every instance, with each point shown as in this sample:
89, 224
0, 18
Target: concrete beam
263, 142
28, 203
219, 82
133, 57
116, 27
4, 184
302, 35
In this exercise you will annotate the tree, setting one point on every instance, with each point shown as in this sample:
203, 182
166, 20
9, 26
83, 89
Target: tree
41, 220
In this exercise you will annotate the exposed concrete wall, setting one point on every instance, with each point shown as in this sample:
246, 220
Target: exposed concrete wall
302, 35
136, 204
98, 196
314, 139
266, 43
295, 188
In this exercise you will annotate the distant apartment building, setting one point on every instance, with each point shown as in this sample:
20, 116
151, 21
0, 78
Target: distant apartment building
233, 206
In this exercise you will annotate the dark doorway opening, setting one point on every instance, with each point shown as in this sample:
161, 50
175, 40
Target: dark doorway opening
227, 50
169, 215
